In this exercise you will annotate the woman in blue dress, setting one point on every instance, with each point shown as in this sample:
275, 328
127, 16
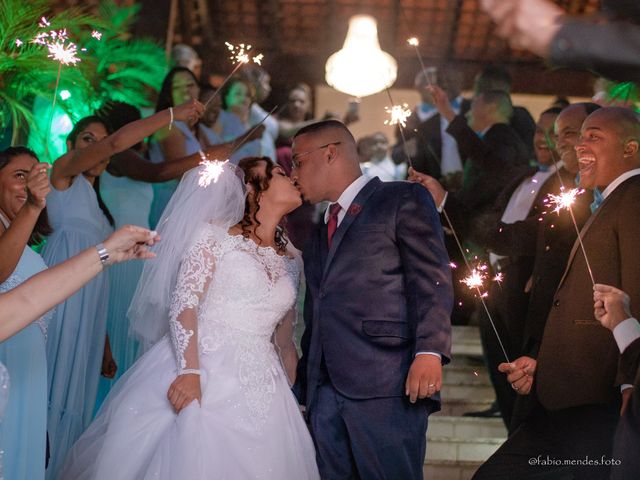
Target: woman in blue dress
171, 144
237, 97
77, 333
24, 185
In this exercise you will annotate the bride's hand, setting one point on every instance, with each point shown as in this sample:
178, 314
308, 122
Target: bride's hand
184, 390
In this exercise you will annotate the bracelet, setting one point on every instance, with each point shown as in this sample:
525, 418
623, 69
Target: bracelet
171, 115
103, 253
194, 371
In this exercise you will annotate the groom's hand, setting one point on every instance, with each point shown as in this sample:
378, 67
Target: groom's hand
425, 377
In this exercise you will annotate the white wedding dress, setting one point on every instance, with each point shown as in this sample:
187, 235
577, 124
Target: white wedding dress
229, 298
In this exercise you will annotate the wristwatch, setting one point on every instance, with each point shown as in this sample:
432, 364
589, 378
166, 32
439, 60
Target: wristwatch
103, 253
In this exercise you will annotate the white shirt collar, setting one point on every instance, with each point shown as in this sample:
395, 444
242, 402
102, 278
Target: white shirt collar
348, 196
613, 185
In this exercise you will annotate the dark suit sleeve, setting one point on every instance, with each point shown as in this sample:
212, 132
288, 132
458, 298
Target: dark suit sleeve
610, 49
470, 145
427, 273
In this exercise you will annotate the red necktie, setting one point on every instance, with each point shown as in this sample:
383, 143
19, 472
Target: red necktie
332, 225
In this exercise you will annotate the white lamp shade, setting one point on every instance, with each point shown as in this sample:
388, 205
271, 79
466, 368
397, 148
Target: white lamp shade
361, 68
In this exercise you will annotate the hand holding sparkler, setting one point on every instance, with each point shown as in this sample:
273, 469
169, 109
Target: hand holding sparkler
611, 305
38, 185
520, 374
188, 112
441, 102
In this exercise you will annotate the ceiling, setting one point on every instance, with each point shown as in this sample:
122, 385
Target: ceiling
297, 36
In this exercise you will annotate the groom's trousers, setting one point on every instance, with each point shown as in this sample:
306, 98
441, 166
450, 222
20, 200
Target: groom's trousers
380, 438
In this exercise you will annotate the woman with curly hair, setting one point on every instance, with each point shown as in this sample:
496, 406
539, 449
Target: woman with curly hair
211, 398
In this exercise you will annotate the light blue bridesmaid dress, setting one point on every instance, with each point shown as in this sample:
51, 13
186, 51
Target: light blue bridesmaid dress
23, 430
129, 202
75, 342
162, 192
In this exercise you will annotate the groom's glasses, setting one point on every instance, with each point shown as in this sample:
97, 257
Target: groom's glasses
295, 160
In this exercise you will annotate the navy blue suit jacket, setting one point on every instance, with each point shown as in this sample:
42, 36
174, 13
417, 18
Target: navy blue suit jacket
379, 295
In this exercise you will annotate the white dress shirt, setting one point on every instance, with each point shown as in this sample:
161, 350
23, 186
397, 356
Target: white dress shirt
626, 333
613, 185
521, 201
628, 330
345, 200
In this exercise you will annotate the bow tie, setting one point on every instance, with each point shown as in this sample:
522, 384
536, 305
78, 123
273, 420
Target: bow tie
597, 200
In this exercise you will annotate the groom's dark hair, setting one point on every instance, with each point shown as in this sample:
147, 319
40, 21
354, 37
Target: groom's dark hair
325, 125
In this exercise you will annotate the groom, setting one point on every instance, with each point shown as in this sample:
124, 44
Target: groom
376, 313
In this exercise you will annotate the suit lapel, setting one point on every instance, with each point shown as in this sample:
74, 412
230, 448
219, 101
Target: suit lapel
576, 244
348, 219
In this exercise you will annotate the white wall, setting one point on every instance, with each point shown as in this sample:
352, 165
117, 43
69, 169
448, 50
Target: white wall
372, 113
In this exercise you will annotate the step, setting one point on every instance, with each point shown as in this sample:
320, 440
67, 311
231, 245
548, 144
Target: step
456, 407
464, 333
465, 427
446, 470
465, 341
461, 449
456, 372
467, 390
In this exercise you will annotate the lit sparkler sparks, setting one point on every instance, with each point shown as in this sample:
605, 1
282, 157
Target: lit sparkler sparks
413, 41
476, 277
211, 172
57, 42
96, 34
399, 114
565, 200
498, 278
240, 54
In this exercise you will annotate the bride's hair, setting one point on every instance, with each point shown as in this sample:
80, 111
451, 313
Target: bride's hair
259, 184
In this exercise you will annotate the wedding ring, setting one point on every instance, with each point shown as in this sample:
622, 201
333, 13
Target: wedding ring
514, 387
431, 385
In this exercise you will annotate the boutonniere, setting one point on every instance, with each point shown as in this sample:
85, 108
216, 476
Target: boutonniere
354, 209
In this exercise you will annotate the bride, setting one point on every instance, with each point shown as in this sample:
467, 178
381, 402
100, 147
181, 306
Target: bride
210, 399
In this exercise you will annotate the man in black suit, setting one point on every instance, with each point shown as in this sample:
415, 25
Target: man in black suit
432, 150
512, 255
612, 310
497, 78
493, 153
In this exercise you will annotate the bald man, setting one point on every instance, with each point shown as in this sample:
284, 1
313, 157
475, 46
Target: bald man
377, 313
576, 376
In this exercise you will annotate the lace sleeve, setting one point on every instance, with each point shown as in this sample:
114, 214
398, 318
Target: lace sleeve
194, 276
284, 336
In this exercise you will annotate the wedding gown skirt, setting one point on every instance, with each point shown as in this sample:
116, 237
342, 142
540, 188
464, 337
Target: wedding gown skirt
248, 426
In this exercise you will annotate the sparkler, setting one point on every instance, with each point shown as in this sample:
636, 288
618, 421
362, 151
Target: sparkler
240, 56
398, 115
565, 200
214, 168
61, 50
211, 172
472, 281
415, 43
